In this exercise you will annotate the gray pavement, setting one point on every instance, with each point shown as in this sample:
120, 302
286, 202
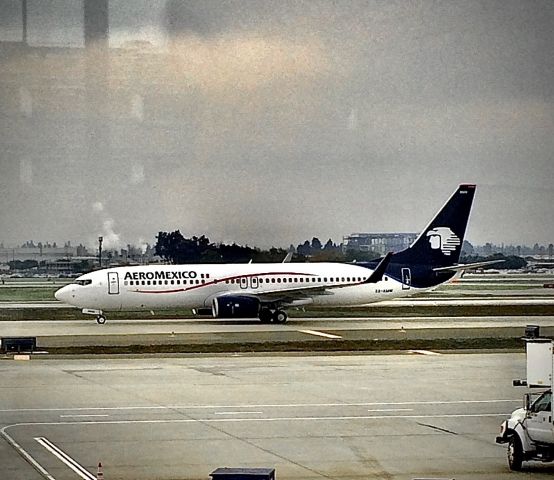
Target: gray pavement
211, 333
335, 417
210, 326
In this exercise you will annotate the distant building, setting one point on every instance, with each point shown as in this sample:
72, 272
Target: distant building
379, 243
40, 253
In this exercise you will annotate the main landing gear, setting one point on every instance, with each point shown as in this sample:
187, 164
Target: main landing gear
101, 319
268, 315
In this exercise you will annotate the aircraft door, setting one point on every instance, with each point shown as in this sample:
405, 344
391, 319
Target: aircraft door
406, 278
254, 282
243, 282
113, 283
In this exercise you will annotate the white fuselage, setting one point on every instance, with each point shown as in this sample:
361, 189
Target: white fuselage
195, 286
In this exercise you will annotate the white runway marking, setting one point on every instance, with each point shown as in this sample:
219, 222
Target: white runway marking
37, 466
65, 458
262, 405
84, 415
392, 410
319, 334
236, 413
265, 419
423, 352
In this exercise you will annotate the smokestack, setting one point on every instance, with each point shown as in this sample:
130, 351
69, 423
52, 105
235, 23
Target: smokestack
96, 23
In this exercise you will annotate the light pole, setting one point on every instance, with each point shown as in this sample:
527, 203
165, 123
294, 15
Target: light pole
100, 240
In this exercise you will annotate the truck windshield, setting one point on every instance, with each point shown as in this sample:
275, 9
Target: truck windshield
542, 404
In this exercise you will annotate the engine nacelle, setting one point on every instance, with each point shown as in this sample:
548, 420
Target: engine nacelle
236, 307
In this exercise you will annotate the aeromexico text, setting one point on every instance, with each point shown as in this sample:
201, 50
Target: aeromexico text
160, 275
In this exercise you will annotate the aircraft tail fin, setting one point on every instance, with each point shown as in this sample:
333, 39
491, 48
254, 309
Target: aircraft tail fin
440, 244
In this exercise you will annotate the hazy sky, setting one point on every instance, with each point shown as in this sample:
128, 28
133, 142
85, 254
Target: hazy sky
271, 122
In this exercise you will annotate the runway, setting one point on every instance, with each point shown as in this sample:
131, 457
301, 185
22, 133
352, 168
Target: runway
419, 414
218, 335
335, 417
339, 326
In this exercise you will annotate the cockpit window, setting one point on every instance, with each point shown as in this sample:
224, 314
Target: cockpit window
83, 282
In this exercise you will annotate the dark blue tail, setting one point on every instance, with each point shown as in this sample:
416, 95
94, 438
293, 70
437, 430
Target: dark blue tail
438, 246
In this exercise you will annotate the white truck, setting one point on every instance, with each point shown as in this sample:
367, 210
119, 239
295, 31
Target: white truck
529, 432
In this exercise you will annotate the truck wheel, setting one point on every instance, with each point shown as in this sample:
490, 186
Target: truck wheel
515, 453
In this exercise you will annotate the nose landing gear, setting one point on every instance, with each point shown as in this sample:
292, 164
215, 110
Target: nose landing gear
100, 317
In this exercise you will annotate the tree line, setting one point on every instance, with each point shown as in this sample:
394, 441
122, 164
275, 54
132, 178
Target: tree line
173, 247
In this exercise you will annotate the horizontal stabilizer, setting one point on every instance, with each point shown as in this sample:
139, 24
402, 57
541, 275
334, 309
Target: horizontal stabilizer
377, 274
468, 266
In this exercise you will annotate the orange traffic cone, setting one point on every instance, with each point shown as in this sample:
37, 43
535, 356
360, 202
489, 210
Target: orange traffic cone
99, 472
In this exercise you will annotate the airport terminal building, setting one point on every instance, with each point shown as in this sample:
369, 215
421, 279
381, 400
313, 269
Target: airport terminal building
379, 243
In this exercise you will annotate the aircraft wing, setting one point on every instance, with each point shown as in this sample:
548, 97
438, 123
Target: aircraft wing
468, 266
299, 293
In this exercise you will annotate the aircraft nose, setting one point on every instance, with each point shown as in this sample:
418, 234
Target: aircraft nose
63, 294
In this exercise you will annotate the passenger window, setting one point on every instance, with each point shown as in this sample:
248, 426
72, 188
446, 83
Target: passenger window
143, 282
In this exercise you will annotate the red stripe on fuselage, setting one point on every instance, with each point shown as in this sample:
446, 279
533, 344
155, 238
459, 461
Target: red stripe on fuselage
215, 282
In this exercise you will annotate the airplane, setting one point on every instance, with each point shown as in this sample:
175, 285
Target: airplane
266, 290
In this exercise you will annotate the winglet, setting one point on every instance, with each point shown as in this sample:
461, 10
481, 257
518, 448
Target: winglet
377, 274
288, 258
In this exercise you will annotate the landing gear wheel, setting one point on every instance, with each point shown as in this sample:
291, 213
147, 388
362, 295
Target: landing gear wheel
515, 453
101, 319
265, 315
280, 316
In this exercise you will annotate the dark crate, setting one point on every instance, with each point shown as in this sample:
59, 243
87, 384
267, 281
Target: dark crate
19, 344
226, 473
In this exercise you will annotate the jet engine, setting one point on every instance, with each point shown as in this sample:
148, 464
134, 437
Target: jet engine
236, 307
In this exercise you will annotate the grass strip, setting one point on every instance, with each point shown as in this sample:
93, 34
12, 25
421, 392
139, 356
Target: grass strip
366, 345
56, 314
